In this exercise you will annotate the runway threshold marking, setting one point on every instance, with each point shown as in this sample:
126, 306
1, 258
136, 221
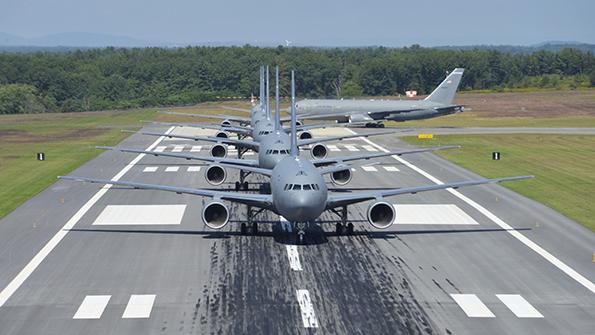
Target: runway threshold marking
472, 306
92, 307
196, 148
308, 316
172, 169
150, 169
20, 278
139, 306
294, 258
519, 306
516, 234
141, 215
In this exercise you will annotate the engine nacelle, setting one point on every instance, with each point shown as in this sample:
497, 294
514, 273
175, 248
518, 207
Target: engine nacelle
222, 134
225, 123
215, 175
305, 135
359, 118
215, 215
381, 214
298, 123
219, 150
318, 151
342, 177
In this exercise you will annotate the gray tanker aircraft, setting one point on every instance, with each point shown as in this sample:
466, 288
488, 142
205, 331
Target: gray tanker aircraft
271, 149
374, 112
298, 193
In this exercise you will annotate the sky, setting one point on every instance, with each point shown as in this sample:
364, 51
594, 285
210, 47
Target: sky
309, 22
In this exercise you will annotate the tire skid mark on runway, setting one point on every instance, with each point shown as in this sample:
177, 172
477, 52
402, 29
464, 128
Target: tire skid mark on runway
20, 278
501, 223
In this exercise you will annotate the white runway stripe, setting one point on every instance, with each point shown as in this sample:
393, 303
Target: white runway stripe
193, 168
141, 215
294, 258
172, 169
572, 273
150, 169
92, 307
139, 306
308, 316
351, 147
369, 168
333, 148
391, 168
160, 148
449, 214
178, 148
472, 306
519, 306
195, 148
20, 278
369, 148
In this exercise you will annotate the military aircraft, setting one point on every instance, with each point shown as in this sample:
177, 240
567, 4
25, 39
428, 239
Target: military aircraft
273, 148
374, 112
298, 193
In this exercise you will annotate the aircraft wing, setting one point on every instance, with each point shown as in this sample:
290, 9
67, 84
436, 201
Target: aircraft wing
339, 138
237, 109
257, 200
334, 201
222, 160
241, 119
258, 170
341, 159
230, 141
322, 126
231, 129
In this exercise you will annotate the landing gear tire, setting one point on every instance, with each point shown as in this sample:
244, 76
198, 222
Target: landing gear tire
243, 228
237, 185
245, 186
339, 228
254, 228
349, 229
381, 125
301, 236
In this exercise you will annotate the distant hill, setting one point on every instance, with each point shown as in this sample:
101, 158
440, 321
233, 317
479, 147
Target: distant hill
76, 39
545, 46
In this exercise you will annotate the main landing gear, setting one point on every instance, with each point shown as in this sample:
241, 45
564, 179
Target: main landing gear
242, 184
375, 125
343, 227
251, 226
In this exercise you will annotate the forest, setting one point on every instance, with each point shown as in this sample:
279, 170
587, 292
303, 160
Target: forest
119, 78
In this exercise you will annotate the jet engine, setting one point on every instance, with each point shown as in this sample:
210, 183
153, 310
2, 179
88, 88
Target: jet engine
215, 175
225, 123
381, 214
219, 150
342, 177
318, 151
215, 215
298, 123
305, 135
222, 134
359, 118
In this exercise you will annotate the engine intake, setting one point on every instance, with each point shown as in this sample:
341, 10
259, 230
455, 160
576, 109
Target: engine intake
318, 151
215, 175
305, 135
219, 150
342, 177
381, 214
215, 215
222, 134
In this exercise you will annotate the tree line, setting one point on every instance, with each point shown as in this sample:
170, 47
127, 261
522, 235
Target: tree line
109, 78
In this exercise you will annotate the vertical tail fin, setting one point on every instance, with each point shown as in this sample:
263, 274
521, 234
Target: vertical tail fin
294, 148
445, 92
268, 107
262, 87
277, 115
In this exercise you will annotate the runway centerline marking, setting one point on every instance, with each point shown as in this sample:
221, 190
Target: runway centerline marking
308, 315
472, 306
92, 307
20, 278
139, 306
294, 258
519, 306
516, 234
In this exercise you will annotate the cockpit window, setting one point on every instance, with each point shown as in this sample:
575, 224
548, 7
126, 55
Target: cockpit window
297, 187
275, 152
307, 187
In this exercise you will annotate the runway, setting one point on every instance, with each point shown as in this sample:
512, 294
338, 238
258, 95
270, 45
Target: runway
502, 130
475, 260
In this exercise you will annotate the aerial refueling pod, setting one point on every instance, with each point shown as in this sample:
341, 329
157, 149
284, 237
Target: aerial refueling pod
215, 175
218, 150
381, 214
215, 215
318, 151
305, 135
342, 177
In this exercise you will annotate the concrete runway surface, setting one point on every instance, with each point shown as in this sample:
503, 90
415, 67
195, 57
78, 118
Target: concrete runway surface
86, 259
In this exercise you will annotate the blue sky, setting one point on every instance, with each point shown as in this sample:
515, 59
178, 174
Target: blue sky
308, 22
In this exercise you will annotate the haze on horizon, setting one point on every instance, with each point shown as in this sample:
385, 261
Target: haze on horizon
308, 22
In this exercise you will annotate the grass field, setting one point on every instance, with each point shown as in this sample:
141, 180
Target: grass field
67, 139
563, 166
